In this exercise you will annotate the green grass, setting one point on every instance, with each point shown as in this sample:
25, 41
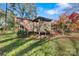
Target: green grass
10, 45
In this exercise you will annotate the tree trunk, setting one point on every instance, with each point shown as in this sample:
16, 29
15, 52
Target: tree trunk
5, 18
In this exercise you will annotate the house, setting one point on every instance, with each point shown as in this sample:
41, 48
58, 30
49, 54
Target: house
39, 24
24, 23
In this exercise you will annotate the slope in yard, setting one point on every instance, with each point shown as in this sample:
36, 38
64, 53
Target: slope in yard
67, 45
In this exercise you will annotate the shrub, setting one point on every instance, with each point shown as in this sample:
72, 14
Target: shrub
22, 33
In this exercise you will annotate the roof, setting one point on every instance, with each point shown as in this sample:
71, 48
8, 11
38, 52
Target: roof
42, 19
23, 18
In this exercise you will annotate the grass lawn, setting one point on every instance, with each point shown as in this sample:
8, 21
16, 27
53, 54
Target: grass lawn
10, 45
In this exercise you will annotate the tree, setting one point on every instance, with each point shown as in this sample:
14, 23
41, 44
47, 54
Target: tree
74, 7
23, 10
32, 11
10, 21
5, 17
2, 17
2, 13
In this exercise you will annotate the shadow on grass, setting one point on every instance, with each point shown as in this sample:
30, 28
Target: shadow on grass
7, 33
36, 44
13, 45
5, 40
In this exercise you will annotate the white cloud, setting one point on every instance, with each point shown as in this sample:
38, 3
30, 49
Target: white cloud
59, 10
52, 12
64, 5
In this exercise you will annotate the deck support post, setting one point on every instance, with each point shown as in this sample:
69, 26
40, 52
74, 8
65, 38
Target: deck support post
39, 27
33, 28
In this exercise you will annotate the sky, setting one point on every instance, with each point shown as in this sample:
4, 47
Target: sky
50, 10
